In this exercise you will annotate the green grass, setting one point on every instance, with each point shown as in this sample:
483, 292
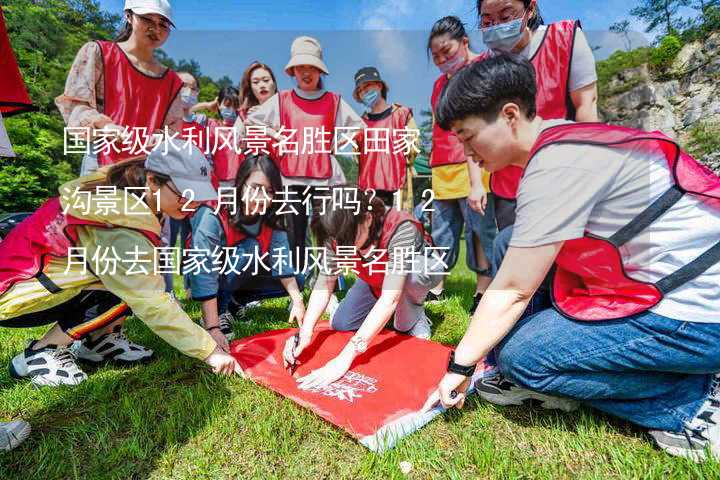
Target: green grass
171, 418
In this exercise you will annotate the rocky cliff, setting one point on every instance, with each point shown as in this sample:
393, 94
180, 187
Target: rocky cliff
683, 102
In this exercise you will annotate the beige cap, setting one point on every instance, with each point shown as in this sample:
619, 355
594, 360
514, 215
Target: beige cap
306, 51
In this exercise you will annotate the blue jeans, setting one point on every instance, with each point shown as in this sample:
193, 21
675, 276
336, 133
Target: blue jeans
448, 219
651, 370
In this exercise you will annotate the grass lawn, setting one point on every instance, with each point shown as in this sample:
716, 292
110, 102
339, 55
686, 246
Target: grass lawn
171, 418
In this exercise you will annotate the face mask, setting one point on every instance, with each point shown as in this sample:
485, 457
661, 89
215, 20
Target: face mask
370, 99
228, 113
188, 98
504, 37
453, 65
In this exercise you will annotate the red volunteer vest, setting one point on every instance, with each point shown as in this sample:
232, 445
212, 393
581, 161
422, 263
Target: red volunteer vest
446, 148
48, 232
393, 219
590, 280
552, 64
233, 235
298, 114
380, 169
225, 157
134, 100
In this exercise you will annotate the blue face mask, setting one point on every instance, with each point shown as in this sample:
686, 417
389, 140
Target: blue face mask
370, 98
228, 114
504, 37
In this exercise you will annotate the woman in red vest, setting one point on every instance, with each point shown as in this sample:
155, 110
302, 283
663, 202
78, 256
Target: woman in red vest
392, 256
119, 92
86, 260
567, 84
256, 251
449, 46
630, 224
305, 120
388, 147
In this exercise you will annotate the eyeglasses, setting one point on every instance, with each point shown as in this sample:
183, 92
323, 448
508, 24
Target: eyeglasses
150, 23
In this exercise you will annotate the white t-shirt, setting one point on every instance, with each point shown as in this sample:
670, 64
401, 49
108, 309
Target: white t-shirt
582, 65
5, 146
567, 190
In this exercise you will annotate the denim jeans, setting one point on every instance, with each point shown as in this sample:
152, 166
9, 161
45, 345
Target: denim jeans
448, 219
648, 369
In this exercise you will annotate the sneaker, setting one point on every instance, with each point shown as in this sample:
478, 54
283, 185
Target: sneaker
13, 434
421, 329
48, 366
499, 390
700, 437
225, 322
114, 346
476, 302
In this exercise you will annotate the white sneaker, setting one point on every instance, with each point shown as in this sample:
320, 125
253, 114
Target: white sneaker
225, 322
49, 366
13, 434
499, 390
421, 329
113, 346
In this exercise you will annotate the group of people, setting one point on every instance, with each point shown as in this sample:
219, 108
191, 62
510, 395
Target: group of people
595, 247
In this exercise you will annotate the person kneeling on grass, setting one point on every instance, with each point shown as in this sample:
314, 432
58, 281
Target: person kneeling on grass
631, 226
396, 270
249, 231
41, 283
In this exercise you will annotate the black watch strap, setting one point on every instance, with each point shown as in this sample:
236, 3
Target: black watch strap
459, 369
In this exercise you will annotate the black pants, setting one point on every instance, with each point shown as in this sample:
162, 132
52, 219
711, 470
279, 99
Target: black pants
81, 315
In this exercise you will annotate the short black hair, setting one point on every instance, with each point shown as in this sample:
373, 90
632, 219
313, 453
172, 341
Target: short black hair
450, 25
484, 87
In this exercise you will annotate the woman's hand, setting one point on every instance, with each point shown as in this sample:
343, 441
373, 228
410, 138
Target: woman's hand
331, 372
297, 312
222, 363
291, 351
220, 339
450, 392
477, 200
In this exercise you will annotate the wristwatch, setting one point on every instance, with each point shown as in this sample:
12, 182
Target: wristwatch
359, 344
459, 369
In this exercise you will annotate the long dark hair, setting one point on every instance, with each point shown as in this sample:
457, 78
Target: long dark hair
341, 224
450, 25
126, 30
247, 96
258, 163
533, 23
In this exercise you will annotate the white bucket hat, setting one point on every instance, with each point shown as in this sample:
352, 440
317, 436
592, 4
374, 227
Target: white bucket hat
143, 7
306, 51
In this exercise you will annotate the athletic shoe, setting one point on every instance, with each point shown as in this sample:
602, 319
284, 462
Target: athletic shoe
13, 434
421, 329
501, 391
700, 437
114, 346
48, 366
476, 302
225, 322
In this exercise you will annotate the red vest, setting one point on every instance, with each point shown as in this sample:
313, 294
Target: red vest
133, 99
380, 169
233, 235
225, 157
446, 148
552, 64
298, 114
590, 281
48, 232
393, 219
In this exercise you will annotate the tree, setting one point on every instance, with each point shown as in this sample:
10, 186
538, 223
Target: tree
623, 28
659, 15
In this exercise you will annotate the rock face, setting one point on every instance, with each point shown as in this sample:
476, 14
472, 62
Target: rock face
673, 106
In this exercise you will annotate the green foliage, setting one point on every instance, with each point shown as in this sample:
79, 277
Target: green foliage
704, 139
663, 56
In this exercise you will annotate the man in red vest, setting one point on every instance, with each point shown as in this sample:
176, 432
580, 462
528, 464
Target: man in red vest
630, 223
